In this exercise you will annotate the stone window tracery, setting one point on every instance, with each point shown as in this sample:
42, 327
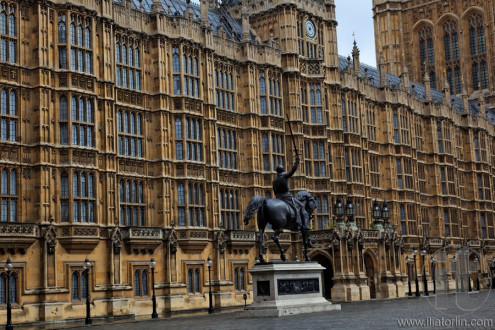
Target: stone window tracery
227, 148
477, 46
240, 278
188, 139
9, 195
452, 59
8, 33
80, 43
78, 285
427, 54
191, 202
131, 133
12, 287
224, 86
229, 209
272, 150
193, 279
8, 115
80, 124
77, 197
128, 62
322, 214
132, 203
141, 283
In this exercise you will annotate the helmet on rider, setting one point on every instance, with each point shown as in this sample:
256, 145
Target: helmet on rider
280, 168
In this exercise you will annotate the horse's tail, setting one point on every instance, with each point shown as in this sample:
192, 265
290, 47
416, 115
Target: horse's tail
255, 203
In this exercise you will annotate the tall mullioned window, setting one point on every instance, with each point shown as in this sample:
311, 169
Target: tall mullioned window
128, 63
188, 139
224, 87
80, 41
12, 287
452, 57
132, 203
229, 209
322, 214
8, 195
270, 93
227, 148
131, 133
191, 204
81, 123
8, 33
477, 46
78, 197
8, 115
185, 69
141, 283
315, 103
273, 150
427, 54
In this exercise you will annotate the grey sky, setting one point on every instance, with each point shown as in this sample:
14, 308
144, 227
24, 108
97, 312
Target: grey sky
356, 16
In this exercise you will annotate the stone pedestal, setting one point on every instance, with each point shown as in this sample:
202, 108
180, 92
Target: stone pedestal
287, 288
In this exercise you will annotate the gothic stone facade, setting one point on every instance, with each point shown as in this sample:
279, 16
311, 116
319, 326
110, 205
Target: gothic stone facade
451, 40
132, 130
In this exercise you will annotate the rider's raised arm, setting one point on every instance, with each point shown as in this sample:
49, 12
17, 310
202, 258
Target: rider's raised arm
294, 168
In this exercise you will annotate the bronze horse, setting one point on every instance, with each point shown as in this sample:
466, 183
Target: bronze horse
278, 214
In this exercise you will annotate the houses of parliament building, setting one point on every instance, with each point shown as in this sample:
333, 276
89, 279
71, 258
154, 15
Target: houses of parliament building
132, 130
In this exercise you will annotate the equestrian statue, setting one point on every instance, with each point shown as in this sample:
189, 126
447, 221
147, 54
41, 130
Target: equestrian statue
284, 211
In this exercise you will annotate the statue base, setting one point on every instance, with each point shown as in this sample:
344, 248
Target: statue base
287, 288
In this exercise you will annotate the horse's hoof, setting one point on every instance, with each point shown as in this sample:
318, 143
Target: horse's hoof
307, 259
282, 256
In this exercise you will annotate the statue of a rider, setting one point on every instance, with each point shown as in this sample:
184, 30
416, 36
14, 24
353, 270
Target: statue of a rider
282, 192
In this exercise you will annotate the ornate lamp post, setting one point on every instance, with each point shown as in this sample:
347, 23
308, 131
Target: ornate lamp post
154, 315
408, 263
433, 264
339, 211
414, 253
386, 215
210, 263
425, 281
477, 277
87, 266
376, 212
8, 269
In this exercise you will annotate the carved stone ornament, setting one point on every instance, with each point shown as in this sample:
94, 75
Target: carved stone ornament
116, 237
50, 236
172, 241
221, 241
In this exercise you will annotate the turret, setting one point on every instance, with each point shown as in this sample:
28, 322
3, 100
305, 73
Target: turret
446, 92
204, 13
245, 23
405, 78
156, 7
381, 67
355, 59
426, 82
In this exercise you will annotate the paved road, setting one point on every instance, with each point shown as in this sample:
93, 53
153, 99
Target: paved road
453, 311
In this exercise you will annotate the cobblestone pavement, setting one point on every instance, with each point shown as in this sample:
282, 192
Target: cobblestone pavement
452, 311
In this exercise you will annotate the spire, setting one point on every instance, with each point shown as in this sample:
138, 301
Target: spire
204, 13
381, 67
245, 23
405, 78
426, 82
355, 59
446, 92
156, 7
465, 101
482, 105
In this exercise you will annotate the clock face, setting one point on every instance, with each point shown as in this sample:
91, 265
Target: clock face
310, 28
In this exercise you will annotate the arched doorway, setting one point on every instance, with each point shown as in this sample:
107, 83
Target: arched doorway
369, 266
327, 274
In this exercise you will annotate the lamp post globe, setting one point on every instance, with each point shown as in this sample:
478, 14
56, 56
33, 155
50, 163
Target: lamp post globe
414, 253
209, 262
154, 314
87, 266
8, 269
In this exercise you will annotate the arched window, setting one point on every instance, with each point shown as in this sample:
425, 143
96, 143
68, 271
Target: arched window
137, 284
8, 115
241, 279
478, 52
75, 286
144, 282
81, 52
190, 287
196, 280
132, 206
426, 52
263, 107
62, 30
8, 196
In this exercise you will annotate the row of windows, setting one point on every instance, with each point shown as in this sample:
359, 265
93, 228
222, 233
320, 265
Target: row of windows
477, 47
8, 33
225, 90
230, 209
271, 100
8, 195
227, 148
192, 140
8, 115
195, 206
